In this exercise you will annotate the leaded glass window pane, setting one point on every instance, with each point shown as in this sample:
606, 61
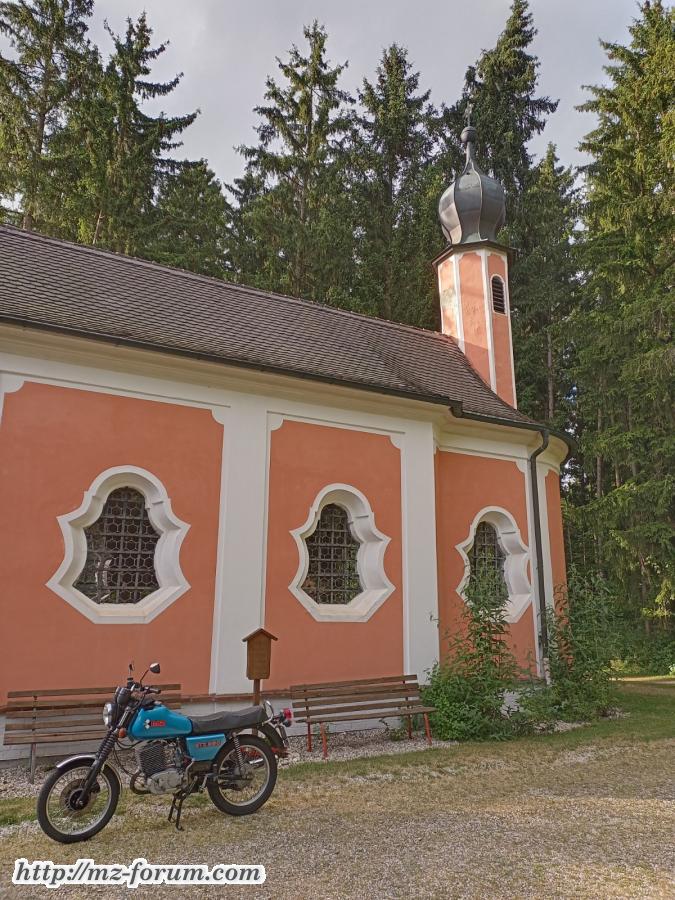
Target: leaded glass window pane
121, 543
486, 555
332, 574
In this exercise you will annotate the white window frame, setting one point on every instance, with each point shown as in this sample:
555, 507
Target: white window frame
171, 530
516, 559
369, 559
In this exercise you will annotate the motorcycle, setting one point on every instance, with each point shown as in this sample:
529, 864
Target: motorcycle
175, 754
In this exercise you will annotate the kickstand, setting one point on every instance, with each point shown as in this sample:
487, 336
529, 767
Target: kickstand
177, 806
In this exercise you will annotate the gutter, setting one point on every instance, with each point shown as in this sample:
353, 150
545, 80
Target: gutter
545, 433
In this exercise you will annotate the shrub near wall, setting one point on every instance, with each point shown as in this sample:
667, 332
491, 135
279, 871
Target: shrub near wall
468, 688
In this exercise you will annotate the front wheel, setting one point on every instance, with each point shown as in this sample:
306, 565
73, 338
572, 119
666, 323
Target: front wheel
59, 812
243, 780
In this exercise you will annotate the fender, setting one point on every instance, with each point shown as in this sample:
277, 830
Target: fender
80, 757
274, 739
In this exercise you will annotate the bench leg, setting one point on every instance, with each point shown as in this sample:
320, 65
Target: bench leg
410, 728
324, 742
309, 738
33, 748
427, 728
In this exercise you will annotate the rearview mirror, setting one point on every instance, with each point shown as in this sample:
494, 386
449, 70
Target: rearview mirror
155, 668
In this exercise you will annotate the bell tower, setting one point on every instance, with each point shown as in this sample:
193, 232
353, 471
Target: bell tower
472, 271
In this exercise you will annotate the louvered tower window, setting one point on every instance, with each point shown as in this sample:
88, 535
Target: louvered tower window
332, 574
487, 557
498, 294
120, 564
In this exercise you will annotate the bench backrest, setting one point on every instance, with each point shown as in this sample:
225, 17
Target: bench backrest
43, 716
346, 699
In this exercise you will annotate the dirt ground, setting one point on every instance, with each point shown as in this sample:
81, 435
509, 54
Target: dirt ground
586, 813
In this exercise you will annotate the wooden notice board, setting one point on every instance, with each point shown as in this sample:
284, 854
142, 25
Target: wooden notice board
258, 654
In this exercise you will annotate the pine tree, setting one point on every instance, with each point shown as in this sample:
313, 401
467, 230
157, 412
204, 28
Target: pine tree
544, 294
48, 38
297, 218
191, 215
121, 150
501, 89
395, 193
624, 331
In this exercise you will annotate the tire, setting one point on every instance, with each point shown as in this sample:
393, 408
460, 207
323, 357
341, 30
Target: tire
261, 762
52, 811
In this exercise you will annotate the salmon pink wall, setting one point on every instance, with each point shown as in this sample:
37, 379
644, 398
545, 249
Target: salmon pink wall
53, 442
473, 313
555, 530
304, 458
464, 486
501, 337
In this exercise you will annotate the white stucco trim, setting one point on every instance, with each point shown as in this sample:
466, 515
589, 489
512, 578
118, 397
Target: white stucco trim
370, 558
517, 556
487, 305
507, 295
8, 385
171, 530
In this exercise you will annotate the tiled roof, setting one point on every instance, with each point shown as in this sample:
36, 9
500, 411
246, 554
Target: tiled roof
51, 284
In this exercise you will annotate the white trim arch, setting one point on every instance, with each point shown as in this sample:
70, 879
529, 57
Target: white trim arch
370, 557
516, 558
171, 530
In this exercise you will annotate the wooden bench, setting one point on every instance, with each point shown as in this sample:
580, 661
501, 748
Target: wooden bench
351, 701
63, 716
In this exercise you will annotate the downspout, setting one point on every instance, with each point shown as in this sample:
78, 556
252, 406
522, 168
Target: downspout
459, 413
541, 588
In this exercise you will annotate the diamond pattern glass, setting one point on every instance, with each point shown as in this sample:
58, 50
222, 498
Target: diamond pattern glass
121, 543
332, 575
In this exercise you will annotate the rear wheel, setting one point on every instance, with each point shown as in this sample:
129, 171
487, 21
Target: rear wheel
59, 810
243, 781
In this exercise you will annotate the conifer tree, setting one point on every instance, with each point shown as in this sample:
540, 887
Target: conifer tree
396, 193
624, 331
48, 40
191, 215
501, 89
544, 294
297, 217
121, 150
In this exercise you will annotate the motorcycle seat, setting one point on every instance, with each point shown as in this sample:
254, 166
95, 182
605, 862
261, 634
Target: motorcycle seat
228, 721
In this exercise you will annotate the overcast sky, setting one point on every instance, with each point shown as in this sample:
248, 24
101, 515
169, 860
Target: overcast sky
227, 47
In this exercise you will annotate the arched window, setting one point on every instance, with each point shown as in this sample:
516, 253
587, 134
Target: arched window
498, 294
494, 548
340, 575
332, 574
121, 543
122, 550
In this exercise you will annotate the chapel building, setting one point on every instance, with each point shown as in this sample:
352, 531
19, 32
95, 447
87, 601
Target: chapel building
184, 460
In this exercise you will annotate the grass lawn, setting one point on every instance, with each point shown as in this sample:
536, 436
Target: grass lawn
585, 813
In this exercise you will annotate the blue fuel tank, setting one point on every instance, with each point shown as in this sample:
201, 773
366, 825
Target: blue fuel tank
159, 722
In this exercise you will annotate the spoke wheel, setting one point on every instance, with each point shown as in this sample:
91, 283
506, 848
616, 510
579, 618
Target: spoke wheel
64, 816
243, 782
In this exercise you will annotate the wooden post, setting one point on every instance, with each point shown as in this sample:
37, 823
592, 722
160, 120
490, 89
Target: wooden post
410, 728
256, 692
427, 728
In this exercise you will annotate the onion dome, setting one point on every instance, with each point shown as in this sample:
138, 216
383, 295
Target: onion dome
473, 207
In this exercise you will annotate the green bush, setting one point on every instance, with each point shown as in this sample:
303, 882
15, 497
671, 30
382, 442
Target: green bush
581, 634
467, 690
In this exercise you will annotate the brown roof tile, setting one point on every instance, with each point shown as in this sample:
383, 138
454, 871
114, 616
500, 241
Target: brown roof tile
51, 284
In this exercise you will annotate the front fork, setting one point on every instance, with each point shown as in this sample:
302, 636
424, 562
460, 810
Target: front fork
102, 755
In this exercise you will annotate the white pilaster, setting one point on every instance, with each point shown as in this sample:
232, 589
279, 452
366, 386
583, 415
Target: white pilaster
420, 573
239, 597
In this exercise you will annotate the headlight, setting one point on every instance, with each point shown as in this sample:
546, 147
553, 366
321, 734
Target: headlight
108, 715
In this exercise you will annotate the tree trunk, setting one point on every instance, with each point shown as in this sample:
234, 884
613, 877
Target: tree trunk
549, 374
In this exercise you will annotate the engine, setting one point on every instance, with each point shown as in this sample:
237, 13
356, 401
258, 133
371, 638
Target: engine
160, 767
